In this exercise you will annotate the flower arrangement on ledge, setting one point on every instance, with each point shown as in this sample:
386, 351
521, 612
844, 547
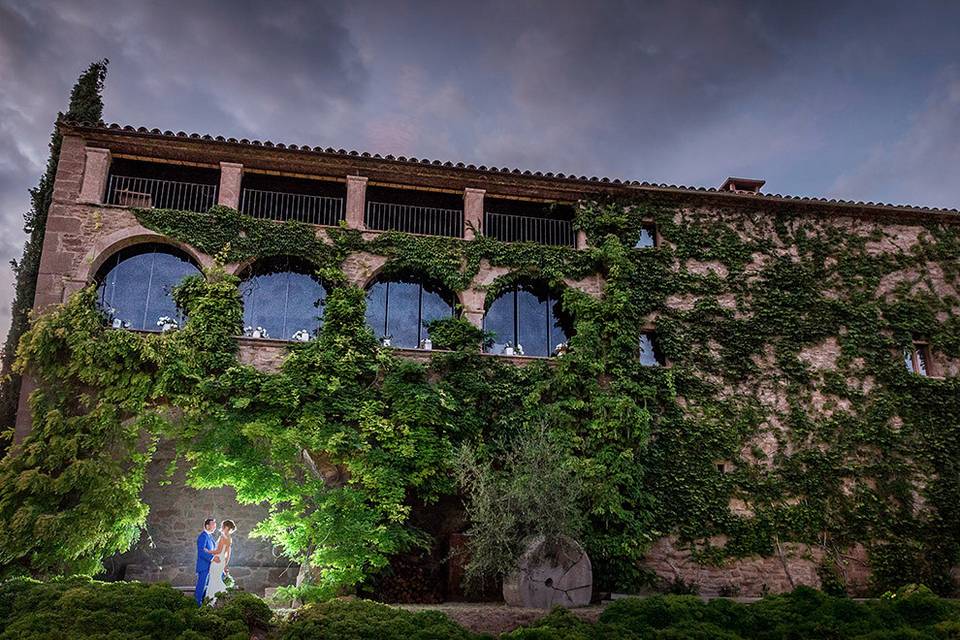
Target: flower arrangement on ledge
510, 350
166, 323
255, 332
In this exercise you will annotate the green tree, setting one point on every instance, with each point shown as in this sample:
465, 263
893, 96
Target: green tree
86, 105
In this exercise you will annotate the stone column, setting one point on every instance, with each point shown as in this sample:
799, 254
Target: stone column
472, 213
60, 254
356, 201
95, 172
231, 175
472, 300
581, 239
24, 424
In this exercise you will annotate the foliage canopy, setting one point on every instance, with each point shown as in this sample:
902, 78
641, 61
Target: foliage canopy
346, 438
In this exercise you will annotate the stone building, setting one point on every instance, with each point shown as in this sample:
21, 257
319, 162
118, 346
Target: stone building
92, 235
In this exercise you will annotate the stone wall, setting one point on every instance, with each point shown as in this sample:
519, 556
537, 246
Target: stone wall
167, 548
82, 233
794, 565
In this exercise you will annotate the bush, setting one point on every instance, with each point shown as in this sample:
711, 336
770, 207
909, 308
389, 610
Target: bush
534, 491
911, 612
363, 620
78, 607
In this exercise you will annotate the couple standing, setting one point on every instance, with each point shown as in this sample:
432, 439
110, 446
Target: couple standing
210, 578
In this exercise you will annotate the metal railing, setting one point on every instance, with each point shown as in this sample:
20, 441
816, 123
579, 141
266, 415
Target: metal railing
276, 205
429, 221
509, 228
128, 191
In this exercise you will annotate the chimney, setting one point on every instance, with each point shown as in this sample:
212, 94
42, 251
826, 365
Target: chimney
742, 185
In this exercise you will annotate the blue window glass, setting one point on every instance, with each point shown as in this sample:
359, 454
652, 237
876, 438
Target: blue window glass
648, 237
282, 299
649, 354
136, 285
529, 318
398, 310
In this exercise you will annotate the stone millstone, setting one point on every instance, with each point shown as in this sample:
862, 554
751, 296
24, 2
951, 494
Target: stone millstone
550, 575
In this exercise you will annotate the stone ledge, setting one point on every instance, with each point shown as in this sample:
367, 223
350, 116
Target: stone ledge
250, 578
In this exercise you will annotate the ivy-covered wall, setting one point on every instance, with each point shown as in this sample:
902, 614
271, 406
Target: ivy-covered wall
785, 427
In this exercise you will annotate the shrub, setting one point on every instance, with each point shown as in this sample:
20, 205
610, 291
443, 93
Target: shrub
78, 607
362, 619
911, 612
534, 492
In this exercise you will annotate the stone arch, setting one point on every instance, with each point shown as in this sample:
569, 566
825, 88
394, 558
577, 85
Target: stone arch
282, 297
135, 284
104, 249
524, 311
394, 298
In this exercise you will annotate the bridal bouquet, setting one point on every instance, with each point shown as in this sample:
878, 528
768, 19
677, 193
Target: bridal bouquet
228, 581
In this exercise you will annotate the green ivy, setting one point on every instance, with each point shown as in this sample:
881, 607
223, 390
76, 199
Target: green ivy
347, 439
86, 105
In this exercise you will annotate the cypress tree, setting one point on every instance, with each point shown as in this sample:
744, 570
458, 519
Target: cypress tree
86, 105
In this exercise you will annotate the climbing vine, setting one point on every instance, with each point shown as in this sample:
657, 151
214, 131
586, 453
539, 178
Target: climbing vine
786, 414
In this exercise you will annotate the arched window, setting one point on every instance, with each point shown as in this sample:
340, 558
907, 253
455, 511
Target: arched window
282, 299
398, 310
136, 283
526, 319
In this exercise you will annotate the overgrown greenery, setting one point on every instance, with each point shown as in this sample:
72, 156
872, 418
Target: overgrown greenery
829, 447
78, 608
86, 104
533, 492
912, 612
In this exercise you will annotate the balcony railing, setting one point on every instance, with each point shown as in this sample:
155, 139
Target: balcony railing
509, 228
429, 221
161, 194
275, 205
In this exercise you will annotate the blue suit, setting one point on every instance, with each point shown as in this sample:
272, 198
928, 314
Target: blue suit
204, 541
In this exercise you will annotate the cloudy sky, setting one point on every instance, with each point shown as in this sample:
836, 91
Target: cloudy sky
843, 99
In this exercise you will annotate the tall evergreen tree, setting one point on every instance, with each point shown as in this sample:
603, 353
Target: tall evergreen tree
86, 105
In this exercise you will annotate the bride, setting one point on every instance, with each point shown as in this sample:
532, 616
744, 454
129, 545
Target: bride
221, 558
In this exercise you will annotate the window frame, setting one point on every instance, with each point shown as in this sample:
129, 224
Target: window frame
422, 333
914, 351
293, 265
115, 259
654, 236
659, 358
550, 318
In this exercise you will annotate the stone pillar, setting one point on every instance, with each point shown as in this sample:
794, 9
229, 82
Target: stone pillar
472, 300
24, 419
95, 173
66, 184
231, 175
60, 254
472, 213
356, 201
581, 239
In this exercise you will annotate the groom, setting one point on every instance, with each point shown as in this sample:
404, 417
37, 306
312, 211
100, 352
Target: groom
205, 547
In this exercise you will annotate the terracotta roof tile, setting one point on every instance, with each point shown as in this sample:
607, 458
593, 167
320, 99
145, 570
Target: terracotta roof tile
485, 169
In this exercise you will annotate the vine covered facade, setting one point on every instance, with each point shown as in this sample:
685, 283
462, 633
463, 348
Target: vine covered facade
756, 392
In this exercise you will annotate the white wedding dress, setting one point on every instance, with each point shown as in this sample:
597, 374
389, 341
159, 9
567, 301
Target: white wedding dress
215, 585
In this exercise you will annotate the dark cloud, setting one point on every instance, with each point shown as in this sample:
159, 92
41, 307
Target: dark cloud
855, 99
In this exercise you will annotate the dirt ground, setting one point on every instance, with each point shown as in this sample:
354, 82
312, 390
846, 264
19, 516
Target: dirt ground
496, 618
